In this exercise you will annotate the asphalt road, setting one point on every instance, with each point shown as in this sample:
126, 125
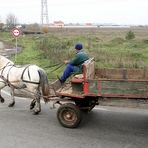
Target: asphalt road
104, 127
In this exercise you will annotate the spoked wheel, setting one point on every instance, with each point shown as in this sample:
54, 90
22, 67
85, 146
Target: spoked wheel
69, 115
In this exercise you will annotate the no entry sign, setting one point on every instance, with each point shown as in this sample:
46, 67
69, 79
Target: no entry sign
16, 32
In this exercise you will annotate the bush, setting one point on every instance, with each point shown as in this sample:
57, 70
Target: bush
145, 41
45, 29
130, 35
54, 48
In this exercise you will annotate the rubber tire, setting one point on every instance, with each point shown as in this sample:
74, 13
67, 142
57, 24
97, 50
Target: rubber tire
71, 112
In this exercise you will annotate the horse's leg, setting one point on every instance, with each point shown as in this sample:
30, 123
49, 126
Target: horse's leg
1, 98
11, 104
32, 104
38, 104
2, 85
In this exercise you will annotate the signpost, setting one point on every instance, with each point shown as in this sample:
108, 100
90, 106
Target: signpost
16, 32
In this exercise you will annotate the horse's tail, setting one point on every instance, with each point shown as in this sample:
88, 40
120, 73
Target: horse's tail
44, 84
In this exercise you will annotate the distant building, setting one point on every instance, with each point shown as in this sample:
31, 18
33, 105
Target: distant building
18, 26
58, 24
88, 24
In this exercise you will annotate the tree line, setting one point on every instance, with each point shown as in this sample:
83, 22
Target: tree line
12, 21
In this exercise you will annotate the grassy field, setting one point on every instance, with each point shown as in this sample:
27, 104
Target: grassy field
108, 46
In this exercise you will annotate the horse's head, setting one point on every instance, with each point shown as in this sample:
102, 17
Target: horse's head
4, 61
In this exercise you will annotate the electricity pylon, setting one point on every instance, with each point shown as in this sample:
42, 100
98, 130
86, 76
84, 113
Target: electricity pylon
44, 12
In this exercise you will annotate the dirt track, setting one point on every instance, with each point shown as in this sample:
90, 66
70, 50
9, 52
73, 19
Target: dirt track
6, 50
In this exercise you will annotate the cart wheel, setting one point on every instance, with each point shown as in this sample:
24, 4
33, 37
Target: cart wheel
69, 115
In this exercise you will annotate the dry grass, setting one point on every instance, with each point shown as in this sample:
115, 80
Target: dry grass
107, 45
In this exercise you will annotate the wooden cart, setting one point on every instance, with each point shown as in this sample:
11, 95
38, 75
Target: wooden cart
114, 87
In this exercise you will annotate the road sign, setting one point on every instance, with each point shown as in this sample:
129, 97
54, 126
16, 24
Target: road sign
16, 32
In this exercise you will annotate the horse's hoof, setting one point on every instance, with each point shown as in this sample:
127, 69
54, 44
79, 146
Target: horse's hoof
35, 113
31, 107
11, 104
2, 100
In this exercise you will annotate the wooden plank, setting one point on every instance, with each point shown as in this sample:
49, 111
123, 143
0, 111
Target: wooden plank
89, 69
93, 87
122, 73
68, 91
124, 88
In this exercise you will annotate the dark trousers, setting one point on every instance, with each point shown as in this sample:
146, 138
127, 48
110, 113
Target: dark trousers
67, 72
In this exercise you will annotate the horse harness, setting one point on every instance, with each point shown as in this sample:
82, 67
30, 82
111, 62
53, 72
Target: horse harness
8, 83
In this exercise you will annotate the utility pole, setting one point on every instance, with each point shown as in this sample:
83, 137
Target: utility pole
44, 12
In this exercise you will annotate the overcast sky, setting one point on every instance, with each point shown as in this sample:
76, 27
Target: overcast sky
78, 11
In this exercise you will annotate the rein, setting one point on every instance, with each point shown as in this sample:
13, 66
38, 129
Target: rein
59, 66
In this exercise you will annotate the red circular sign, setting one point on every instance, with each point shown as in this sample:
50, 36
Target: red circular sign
15, 32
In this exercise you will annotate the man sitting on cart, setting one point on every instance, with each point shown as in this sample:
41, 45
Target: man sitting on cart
75, 64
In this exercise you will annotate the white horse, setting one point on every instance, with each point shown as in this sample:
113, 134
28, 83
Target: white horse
29, 77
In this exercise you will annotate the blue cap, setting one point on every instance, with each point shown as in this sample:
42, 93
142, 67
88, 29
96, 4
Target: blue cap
79, 46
